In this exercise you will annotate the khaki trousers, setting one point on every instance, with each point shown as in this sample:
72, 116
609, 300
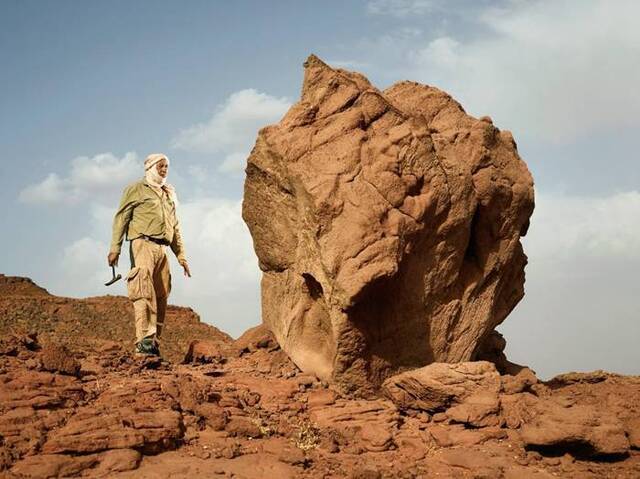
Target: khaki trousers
148, 286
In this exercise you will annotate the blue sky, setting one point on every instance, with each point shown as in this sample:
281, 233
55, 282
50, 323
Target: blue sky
88, 89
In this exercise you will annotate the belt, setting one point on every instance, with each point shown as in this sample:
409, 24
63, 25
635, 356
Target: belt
163, 242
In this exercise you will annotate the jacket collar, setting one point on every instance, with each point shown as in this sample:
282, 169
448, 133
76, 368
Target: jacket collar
146, 183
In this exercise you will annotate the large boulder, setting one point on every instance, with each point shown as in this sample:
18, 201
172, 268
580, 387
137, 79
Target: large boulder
387, 225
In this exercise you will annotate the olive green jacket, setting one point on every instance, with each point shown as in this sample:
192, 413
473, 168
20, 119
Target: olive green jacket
143, 212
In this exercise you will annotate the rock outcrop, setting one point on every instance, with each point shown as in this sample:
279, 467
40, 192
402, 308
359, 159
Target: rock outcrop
86, 323
387, 225
243, 409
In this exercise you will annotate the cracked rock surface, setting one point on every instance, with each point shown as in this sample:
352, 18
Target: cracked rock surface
387, 226
240, 408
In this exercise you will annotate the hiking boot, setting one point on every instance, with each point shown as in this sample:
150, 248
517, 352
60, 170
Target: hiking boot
148, 347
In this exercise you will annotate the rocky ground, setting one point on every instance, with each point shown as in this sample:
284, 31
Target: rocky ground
223, 408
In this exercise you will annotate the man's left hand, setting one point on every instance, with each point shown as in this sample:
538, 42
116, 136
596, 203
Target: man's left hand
185, 266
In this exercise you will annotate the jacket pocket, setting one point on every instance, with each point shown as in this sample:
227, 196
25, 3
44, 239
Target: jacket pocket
139, 284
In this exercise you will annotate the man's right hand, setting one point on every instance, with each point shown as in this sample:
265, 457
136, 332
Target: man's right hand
112, 259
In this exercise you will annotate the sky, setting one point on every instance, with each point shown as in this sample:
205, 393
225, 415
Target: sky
88, 89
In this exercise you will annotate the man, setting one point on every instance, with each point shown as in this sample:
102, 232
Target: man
147, 214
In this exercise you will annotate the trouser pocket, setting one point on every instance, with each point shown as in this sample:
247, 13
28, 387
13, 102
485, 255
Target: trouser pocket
139, 284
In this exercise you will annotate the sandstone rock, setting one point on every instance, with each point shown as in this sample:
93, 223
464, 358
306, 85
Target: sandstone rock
240, 426
57, 358
90, 324
321, 397
18, 286
580, 430
521, 472
56, 425
13, 344
437, 386
387, 227
633, 432
39, 390
450, 436
205, 351
481, 409
591, 377
61, 465
492, 350
93, 430
368, 423
465, 462
292, 455
255, 338
24, 429
214, 415
517, 409
377, 438
189, 392
524, 380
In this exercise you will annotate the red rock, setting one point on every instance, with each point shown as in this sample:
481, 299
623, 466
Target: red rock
292, 455
466, 461
214, 415
387, 226
172, 420
102, 464
321, 397
517, 409
205, 351
17, 286
449, 436
633, 432
13, 345
306, 380
99, 324
481, 409
524, 380
240, 426
365, 473
57, 358
39, 390
255, 338
585, 430
440, 385
376, 438
92, 430
369, 423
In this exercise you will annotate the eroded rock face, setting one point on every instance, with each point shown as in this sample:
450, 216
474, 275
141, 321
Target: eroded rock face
387, 226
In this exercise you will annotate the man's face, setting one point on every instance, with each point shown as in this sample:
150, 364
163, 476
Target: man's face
163, 168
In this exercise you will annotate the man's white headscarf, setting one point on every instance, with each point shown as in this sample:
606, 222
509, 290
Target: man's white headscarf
153, 177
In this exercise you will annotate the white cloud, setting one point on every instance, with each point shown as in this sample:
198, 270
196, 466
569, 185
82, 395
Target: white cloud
567, 227
219, 243
547, 67
83, 267
49, 190
99, 177
225, 287
233, 127
347, 64
234, 163
400, 8
550, 70
580, 310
